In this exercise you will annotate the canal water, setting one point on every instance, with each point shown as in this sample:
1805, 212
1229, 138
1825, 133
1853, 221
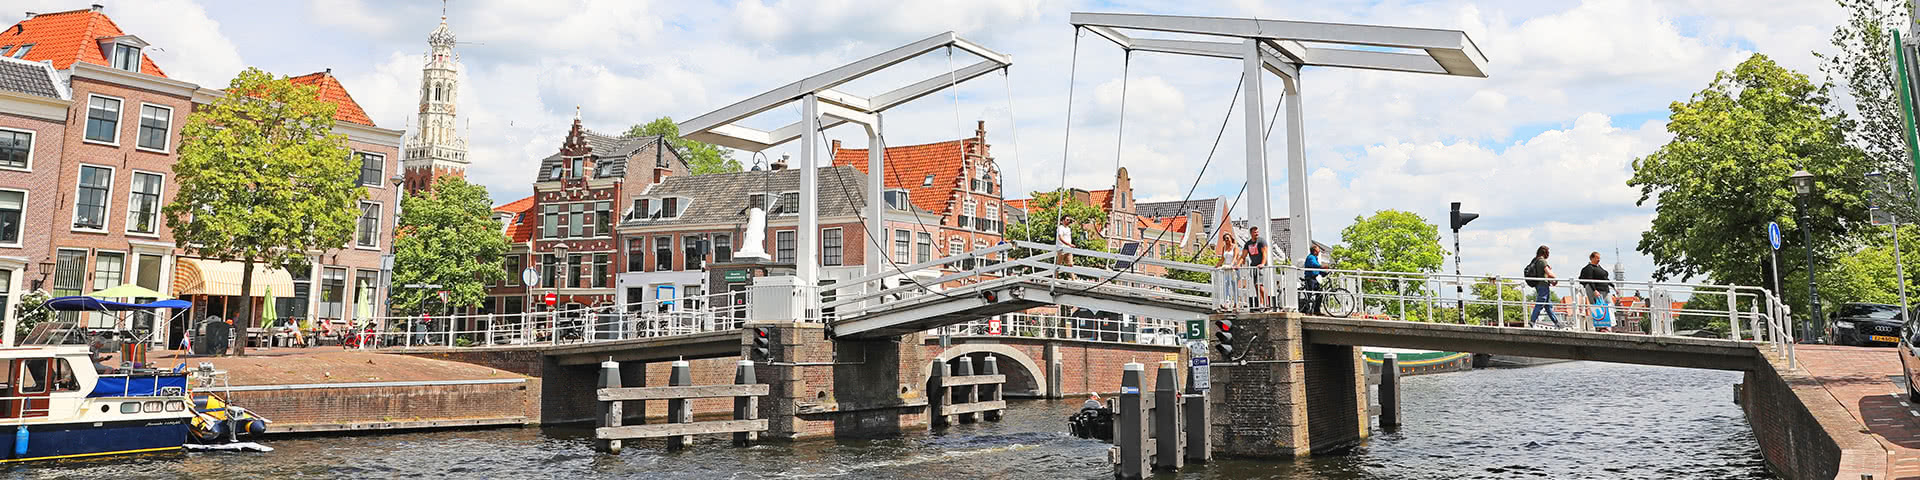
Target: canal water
1568, 420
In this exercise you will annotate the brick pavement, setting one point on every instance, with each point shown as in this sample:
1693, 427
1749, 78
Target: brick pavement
1865, 382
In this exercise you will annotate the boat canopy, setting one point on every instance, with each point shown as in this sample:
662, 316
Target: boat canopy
90, 304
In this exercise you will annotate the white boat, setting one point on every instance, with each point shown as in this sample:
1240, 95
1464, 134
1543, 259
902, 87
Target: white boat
61, 407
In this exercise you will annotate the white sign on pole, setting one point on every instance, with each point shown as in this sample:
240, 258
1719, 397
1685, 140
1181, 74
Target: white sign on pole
530, 277
1200, 377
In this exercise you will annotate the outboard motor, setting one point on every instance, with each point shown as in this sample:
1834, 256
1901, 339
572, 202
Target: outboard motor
1094, 420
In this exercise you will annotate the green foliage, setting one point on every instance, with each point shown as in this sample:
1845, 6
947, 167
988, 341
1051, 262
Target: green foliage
29, 313
447, 237
1724, 176
263, 179
702, 157
1391, 241
1045, 211
1205, 256
1864, 71
1510, 310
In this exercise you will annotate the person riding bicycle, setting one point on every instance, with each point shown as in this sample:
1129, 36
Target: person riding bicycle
1313, 280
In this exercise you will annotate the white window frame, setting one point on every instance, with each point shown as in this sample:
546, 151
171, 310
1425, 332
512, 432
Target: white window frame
359, 167
30, 148
781, 203
25, 195
156, 213
167, 139
113, 56
119, 118
106, 211
376, 226
843, 246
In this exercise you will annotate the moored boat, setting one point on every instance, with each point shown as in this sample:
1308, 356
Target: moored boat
1418, 362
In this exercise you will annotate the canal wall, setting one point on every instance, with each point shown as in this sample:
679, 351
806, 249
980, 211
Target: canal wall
1804, 433
309, 408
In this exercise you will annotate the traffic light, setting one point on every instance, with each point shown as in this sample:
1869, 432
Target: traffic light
1223, 334
990, 296
1458, 219
762, 350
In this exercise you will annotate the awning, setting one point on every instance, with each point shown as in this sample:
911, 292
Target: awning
90, 304
216, 277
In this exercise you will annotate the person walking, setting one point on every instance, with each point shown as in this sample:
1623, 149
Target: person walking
1063, 236
1538, 273
1232, 273
1595, 279
1256, 249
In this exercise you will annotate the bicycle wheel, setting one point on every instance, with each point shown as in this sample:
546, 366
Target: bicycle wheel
1337, 302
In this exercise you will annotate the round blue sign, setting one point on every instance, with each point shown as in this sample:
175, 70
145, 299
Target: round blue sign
1773, 234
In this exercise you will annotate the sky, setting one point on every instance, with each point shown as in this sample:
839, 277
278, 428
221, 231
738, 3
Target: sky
1542, 148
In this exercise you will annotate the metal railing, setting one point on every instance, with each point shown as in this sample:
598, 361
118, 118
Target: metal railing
646, 319
1140, 330
1021, 261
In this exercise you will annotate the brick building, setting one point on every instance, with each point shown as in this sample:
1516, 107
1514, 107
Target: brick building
33, 113
579, 194
108, 171
695, 221
956, 182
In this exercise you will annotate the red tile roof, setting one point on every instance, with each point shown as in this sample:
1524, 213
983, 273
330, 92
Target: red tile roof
67, 37
345, 109
1019, 203
517, 229
908, 168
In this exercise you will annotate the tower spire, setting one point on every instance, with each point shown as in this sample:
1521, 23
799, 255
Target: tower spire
437, 147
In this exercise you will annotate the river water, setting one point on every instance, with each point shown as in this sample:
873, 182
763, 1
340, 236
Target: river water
1568, 420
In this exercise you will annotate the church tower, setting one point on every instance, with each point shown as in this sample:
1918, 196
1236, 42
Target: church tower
436, 148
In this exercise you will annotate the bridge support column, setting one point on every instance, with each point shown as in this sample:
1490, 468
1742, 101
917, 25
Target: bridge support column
634, 374
821, 387
1055, 386
1290, 397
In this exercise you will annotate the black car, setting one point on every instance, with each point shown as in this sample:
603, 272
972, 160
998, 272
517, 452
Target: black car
1866, 324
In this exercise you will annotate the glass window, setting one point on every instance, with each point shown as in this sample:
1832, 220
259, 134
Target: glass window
295, 306
6, 294
636, 254
956, 246
103, 119
579, 166
662, 254
16, 148
784, 246
926, 248
692, 256
669, 207
722, 247
333, 293
11, 204
372, 168
143, 209
155, 121
63, 380
109, 270
549, 270
576, 220
549, 220
789, 203
130, 407
513, 305
22, 52
601, 266
757, 200
369, 225
901, 243
90, 203
512, 265
576, 269
830, 247
365, 285
126, 57
603, 218
33, 375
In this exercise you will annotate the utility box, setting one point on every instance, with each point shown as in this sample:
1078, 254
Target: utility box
776, 299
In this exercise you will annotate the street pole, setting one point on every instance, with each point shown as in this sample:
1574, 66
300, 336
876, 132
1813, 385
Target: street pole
1813, 292
1459, 290
1899, 270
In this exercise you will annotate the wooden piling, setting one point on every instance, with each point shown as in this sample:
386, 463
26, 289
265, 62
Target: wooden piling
1130, 426
678, 409
937, 395
1389, 391
1167, 418
991, 392
745, 407
610, 412
965, 394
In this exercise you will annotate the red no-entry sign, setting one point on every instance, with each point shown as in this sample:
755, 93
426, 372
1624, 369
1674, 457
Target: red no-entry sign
551, 299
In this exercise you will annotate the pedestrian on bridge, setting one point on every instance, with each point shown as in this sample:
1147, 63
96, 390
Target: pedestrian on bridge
1063, 236
1595, 278
1538, 275
1257, 258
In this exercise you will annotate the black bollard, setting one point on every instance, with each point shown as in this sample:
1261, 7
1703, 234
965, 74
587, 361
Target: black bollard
937, 397
678, 410
991, 392
609, 411
1166, 418
745, 407
965, 394
1199, 447
1130, 425
1389, 391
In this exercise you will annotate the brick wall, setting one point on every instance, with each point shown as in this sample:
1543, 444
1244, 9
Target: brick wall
1336, 396
1790, 435
317, 408
1086, 367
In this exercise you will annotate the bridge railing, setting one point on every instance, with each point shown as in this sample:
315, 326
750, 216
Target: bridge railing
644, 319
1152, 331
1646, 307
1021, 261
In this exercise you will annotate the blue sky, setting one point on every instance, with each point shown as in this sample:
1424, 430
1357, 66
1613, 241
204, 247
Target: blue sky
1542, 148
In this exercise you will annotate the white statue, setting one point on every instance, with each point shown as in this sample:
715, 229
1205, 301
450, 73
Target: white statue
753, 247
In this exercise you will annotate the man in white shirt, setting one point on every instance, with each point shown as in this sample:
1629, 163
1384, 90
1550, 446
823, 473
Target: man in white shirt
1063, 236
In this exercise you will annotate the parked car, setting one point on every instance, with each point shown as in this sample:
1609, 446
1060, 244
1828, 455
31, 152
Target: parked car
1865, 324
1909, 358
1159, 336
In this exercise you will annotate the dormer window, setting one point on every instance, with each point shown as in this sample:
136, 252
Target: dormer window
928, 182
896, 199
126, 57
22, 52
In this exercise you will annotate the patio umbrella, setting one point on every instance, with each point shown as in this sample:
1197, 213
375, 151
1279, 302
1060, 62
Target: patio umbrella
268, 317
128, 291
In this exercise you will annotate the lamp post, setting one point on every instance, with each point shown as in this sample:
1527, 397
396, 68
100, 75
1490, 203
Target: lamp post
1802, 190
386, 261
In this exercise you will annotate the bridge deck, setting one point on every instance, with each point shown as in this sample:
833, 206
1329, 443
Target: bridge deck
1012, 295
1607, 347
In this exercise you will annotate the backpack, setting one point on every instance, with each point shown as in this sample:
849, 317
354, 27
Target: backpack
1533, 270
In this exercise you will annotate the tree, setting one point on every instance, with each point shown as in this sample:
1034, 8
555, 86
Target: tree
1724, 176
448, 237
1866, 73
1391, 241
1507, 302
1044, 214
28, 314
702, 157
263, 180
1204, 256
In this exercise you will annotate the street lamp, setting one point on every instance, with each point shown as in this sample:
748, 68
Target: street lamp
1803, 189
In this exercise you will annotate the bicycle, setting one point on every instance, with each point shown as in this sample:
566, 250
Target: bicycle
1330, 300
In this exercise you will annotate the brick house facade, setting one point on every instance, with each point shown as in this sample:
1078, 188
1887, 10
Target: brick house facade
956, 182
33, 113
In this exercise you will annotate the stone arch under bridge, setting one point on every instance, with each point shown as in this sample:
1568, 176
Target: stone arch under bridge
1025, 378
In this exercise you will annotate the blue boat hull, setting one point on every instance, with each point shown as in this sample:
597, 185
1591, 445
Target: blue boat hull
49, 441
